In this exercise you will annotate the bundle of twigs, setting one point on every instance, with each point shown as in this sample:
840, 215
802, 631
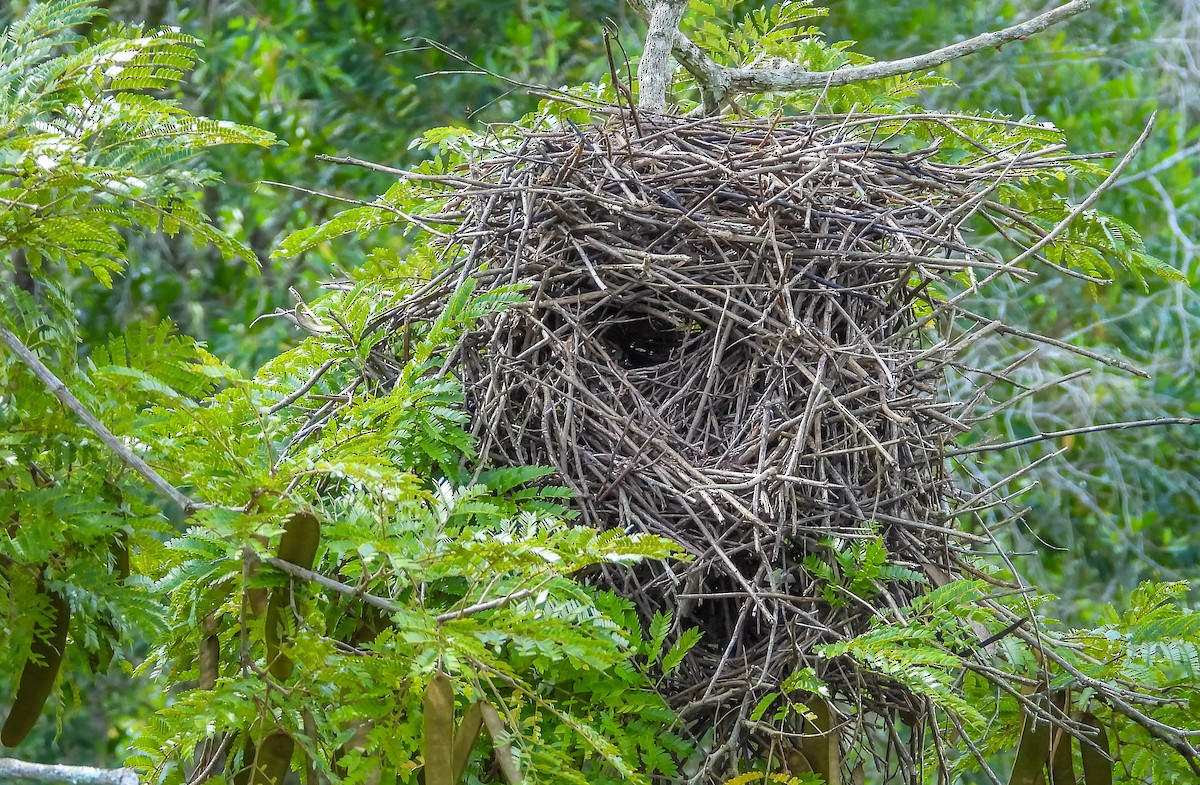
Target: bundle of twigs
730, 341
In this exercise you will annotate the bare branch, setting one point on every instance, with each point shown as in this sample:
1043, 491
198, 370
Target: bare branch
127, 456
11, 768
712, 78
300, 391
718, 83
1186, 154
1042, 437
387, 605
338, 587
793, 77
1093, 197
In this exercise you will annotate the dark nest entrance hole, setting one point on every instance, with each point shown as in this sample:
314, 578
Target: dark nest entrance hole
639, 340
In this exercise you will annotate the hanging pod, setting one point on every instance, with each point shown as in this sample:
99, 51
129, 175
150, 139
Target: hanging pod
40, 671
1096, 754
446, 748
298, 546
1033, 752
208, 662
439, 731
268, 762
1045, 749
820, 745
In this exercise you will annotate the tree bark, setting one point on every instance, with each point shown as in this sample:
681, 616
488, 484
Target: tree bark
10, 768
719, 83
655, 67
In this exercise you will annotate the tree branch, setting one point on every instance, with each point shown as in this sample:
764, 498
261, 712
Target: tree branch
712, 78
127, 456
1042, 437
793, 77
718, 83
11, 768
384, 604
654, 69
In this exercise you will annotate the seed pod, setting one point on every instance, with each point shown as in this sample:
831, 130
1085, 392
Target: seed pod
242, 775
274, 759
1062, 762
268, 763
822, 748
465, 736
360, 730
500, 744
40, 671
439, 731
298, 545
795, 762
1033, 752
209, 661
256, 598
1097, 763
301, 535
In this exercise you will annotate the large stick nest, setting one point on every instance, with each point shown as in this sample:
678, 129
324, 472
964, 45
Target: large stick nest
729, 341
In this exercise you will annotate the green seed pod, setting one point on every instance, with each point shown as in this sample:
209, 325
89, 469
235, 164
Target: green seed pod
301, 535
438, 743
209, 661
1098, 764
270, 763
822, 749
298, 545
40, 671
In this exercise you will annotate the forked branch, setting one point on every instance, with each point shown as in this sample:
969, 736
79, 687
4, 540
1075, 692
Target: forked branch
718, 83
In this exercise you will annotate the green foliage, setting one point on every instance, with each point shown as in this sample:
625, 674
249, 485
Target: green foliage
857, 569
548, 653
85, 153
469, 573
1122, 506
338, 78
925, 654
937, 655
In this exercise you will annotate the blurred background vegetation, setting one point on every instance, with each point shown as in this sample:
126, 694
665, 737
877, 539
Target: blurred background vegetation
358, 78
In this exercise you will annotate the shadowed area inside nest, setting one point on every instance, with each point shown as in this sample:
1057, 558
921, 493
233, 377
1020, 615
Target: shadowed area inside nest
729, 342
636, 340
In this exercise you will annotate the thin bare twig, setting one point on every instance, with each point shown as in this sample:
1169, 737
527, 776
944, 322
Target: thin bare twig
110, 440
1041, 437
300, 391
384, 604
